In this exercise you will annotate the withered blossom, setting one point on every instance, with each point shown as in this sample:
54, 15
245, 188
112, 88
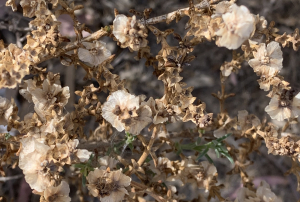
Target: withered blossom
238, 24
14, 65
202, 174
247, 122
107, 162
94, 53
49, 95
284, 106
267, 58
6, 109
124, 112
130, 32
30, 7
108, 186
197, 115
68, 152
226, 127
33, 162
57, 194
162, 169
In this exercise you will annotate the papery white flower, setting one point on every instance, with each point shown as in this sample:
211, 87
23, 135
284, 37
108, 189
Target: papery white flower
108, 186
120, 27
6, 109
83, 155
284, 107
57, 194
238, 25
124, 112
94, 53
32, 161
267, 58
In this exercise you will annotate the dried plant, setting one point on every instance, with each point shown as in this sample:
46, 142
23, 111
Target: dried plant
53, 151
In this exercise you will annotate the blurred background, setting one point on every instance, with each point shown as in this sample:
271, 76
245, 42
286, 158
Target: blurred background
203, 74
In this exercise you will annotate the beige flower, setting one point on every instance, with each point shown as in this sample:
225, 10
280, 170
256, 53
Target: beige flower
6, 109
48, 95
57, 194
267, 58
124, 112
120, 25
108, 186
32, 161
238, 24
94, 53
284, 106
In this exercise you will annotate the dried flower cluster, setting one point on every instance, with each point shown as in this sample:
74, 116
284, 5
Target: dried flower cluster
54, 149
130, 32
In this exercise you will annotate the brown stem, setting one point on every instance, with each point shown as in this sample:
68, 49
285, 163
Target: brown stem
142, 186
148, 148
222, 100
180, 13
71, 46
287, 124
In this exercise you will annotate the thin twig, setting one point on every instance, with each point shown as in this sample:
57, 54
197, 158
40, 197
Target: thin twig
5, 179
71, 46
180, 12
148, 148
13, 28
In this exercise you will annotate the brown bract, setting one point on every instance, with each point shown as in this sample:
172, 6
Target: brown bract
14, 65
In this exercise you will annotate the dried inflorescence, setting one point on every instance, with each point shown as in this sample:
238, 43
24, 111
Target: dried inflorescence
14, 65
130, 32
52, 141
